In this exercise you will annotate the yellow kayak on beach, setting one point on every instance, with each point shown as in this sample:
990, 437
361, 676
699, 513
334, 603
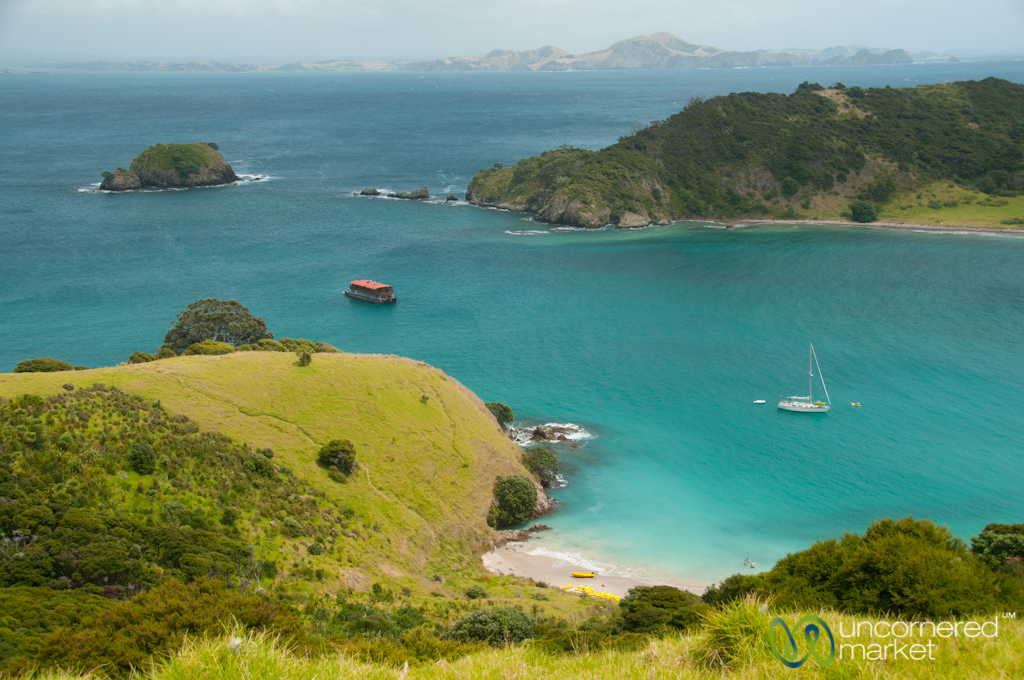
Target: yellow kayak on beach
582, 574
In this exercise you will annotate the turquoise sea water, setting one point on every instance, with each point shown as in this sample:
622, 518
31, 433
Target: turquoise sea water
656, 341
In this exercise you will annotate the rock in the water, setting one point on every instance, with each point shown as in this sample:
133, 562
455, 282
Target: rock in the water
419, 194
120, 180
450, 197
173, 166
369, 191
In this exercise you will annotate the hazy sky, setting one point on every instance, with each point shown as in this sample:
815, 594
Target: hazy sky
277, 29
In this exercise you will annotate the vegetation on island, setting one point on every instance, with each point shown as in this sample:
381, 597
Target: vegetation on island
948, 152
168, 166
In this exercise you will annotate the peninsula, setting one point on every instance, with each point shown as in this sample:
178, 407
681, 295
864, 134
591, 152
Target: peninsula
948, 153
172, 166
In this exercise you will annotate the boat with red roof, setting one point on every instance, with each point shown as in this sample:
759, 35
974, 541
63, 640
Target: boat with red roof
371, 291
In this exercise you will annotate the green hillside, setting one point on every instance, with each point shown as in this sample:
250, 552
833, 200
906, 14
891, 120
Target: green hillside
933, 153
426, 467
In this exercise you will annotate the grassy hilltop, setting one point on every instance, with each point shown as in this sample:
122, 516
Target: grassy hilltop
167, 166
934, 153
426, 467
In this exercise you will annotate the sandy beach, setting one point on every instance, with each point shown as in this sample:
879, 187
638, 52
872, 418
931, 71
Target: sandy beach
515, 559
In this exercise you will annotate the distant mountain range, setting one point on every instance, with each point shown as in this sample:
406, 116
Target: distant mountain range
655, 51
658, 51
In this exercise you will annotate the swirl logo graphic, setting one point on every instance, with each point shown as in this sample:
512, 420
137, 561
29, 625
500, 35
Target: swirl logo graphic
788, 653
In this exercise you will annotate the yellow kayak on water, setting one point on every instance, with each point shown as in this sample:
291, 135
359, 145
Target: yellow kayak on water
582, 574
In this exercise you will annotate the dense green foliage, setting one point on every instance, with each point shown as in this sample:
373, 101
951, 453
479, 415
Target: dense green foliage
209, 347
731, 156
141, 358
502, 412
183, 159
515, 498
498, 626
862, 211
42, 365
131, 634
30, 615
906, 566
542, 462
338, 454
1002, 547
476, 592
652, 608
225, 321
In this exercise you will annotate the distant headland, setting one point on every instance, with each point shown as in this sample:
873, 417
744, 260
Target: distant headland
946, 154
172, 166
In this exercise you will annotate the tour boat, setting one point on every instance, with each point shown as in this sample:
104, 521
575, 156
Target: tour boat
582, 574
371, 291
807, 404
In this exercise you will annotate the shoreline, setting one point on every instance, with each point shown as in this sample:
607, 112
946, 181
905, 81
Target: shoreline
887, 225
514, 559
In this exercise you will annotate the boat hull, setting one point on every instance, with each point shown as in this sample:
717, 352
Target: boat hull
371, 298
803, 408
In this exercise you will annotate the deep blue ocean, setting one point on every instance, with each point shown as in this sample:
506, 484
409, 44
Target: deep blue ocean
655, 341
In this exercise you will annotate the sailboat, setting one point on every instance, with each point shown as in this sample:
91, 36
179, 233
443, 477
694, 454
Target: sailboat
807, 404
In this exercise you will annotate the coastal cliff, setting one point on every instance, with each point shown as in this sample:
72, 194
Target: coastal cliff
817, 153
172, 166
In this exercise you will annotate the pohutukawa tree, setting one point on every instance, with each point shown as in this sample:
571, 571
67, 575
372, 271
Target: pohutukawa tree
220, 320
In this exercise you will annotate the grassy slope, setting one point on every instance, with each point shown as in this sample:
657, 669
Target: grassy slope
164, 155
738, 636
426, 469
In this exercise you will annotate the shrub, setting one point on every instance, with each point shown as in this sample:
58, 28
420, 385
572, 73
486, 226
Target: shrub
209, 347
229, 517
291, 527
129, 635
259, 465
339, 454
326, 348
270, 345
247, 348
141, 458
316, 549
476, 592
220, 320
305, 358
789, 187
502, 413
141, 358
855, 92
498, 626
862, 211
166, 353
42, 365
543, 463
516, 498
652, 608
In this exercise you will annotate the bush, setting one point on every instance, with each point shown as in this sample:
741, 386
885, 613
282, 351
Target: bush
42, 365
476, 592
542, 462
166, 353
855, 92
259, 465
999, 544
315, 549
209, 347
326, 348
502, 413
862, 211
269, 345
339, 454
498, 626
516, 498
789, 187
220, 320
653, 608
229, 517
141, 458
141, 358
305, 358
129, 635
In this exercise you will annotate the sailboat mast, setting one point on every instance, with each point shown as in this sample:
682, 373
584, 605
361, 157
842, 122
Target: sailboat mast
810, 366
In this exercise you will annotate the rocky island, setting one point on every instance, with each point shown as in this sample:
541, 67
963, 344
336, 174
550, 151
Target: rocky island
172, 166
948, 154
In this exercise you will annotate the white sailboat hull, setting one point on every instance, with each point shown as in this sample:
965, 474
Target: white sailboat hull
803, 407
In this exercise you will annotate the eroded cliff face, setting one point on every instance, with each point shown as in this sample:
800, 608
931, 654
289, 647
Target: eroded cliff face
173, 166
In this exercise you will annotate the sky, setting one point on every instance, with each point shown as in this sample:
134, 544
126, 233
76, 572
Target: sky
281, 30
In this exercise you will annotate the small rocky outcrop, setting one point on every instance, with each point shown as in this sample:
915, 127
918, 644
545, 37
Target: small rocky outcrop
418, 194
553, 433
519, 535
449, 198
369, 191
120, 180
172, 166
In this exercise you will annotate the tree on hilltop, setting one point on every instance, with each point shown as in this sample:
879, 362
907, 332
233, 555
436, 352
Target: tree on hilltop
219, 320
